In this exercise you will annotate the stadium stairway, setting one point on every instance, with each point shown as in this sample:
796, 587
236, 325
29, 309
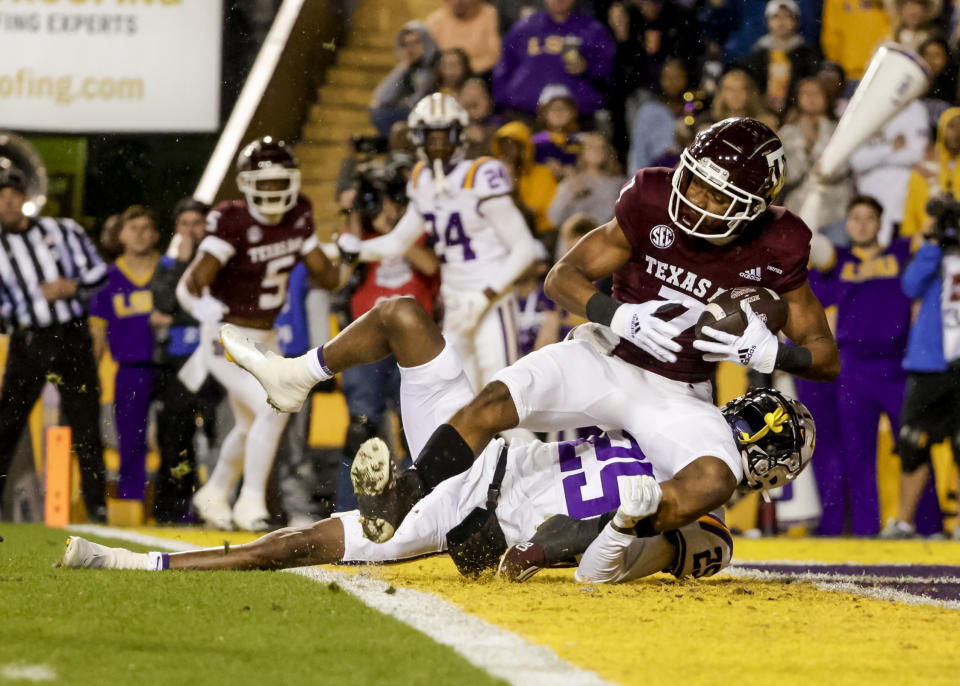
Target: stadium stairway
342, 104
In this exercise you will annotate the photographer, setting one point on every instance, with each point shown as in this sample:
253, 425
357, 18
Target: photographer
365, 149
931, 406
380, 201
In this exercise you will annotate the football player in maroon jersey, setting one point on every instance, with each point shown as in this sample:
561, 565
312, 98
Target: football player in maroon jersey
240, 276
679, 237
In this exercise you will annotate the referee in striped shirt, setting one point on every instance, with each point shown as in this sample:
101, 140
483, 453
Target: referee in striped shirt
47, 267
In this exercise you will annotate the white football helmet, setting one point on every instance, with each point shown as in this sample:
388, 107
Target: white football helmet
267, 159
437, 112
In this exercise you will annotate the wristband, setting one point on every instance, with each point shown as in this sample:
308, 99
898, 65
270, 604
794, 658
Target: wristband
642, 529
794, 359
600, 308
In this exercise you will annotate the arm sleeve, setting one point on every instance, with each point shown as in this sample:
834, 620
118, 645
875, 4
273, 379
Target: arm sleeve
504, 68
512, 231
599, 52
605, 560
922, 271
91, 269
395, 243
913, 127
388, 91
557, 212
870, 155
99, 306
915, 206
831, 39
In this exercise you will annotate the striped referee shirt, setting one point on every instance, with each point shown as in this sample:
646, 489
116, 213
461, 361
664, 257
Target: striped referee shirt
46, 250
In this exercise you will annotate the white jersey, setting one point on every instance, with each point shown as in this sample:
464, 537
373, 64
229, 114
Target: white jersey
467, 244
576, 478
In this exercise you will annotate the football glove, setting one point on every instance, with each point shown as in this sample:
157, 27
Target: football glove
349, 247
639, 498
463, 310
636, 322
756, 347
208, 309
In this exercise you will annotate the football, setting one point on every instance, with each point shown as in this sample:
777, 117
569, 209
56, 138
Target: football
723, 311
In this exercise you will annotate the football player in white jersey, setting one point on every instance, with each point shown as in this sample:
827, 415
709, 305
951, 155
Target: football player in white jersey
579, 480
478, 233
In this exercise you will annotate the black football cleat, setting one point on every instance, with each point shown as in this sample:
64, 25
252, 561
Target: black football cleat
384, 495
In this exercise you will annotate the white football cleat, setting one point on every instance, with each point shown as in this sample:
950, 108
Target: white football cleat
213, 507
287, 381
250, 514
897, 530
84, 554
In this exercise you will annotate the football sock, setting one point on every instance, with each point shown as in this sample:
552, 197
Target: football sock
157, 562
226, 472
121, 558
317, 366
260, 450
445, 454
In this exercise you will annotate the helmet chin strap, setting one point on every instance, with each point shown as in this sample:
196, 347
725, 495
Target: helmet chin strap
263, 218
442, 184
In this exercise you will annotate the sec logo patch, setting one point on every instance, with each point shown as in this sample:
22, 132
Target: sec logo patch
662, 236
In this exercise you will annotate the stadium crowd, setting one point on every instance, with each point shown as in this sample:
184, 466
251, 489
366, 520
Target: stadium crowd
572, 98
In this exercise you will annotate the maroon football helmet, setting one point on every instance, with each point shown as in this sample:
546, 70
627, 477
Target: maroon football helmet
267, 159
740, 157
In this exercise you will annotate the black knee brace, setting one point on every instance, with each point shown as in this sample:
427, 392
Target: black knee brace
913, 446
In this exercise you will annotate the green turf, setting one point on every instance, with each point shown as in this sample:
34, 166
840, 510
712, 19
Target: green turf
102, 627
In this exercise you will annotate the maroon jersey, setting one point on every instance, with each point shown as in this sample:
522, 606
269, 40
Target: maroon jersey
668, 264
256, 257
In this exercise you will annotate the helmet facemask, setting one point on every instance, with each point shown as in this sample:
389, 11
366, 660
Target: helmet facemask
776, 437
270, 202
744, 207
438, 112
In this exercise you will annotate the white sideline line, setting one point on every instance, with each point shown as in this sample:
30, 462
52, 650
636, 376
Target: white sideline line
24, 672
497, 651
133, 537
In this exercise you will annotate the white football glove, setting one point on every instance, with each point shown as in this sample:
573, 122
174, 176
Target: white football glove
639, 497
636, 323
349, 247
756, 347
463, 310
207, 309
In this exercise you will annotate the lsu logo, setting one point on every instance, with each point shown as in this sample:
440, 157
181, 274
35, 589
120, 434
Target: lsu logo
662, 236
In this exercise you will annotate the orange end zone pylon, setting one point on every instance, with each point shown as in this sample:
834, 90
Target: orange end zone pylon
56, 510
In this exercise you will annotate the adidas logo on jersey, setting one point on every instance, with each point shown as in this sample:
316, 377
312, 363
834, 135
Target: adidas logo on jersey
754, 274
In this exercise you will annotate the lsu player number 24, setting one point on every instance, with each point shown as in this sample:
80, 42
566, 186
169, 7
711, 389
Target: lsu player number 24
240, 276
477, 232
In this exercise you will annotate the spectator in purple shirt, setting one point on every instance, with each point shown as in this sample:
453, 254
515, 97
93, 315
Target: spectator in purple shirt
120, 320
554, 46
872, 322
